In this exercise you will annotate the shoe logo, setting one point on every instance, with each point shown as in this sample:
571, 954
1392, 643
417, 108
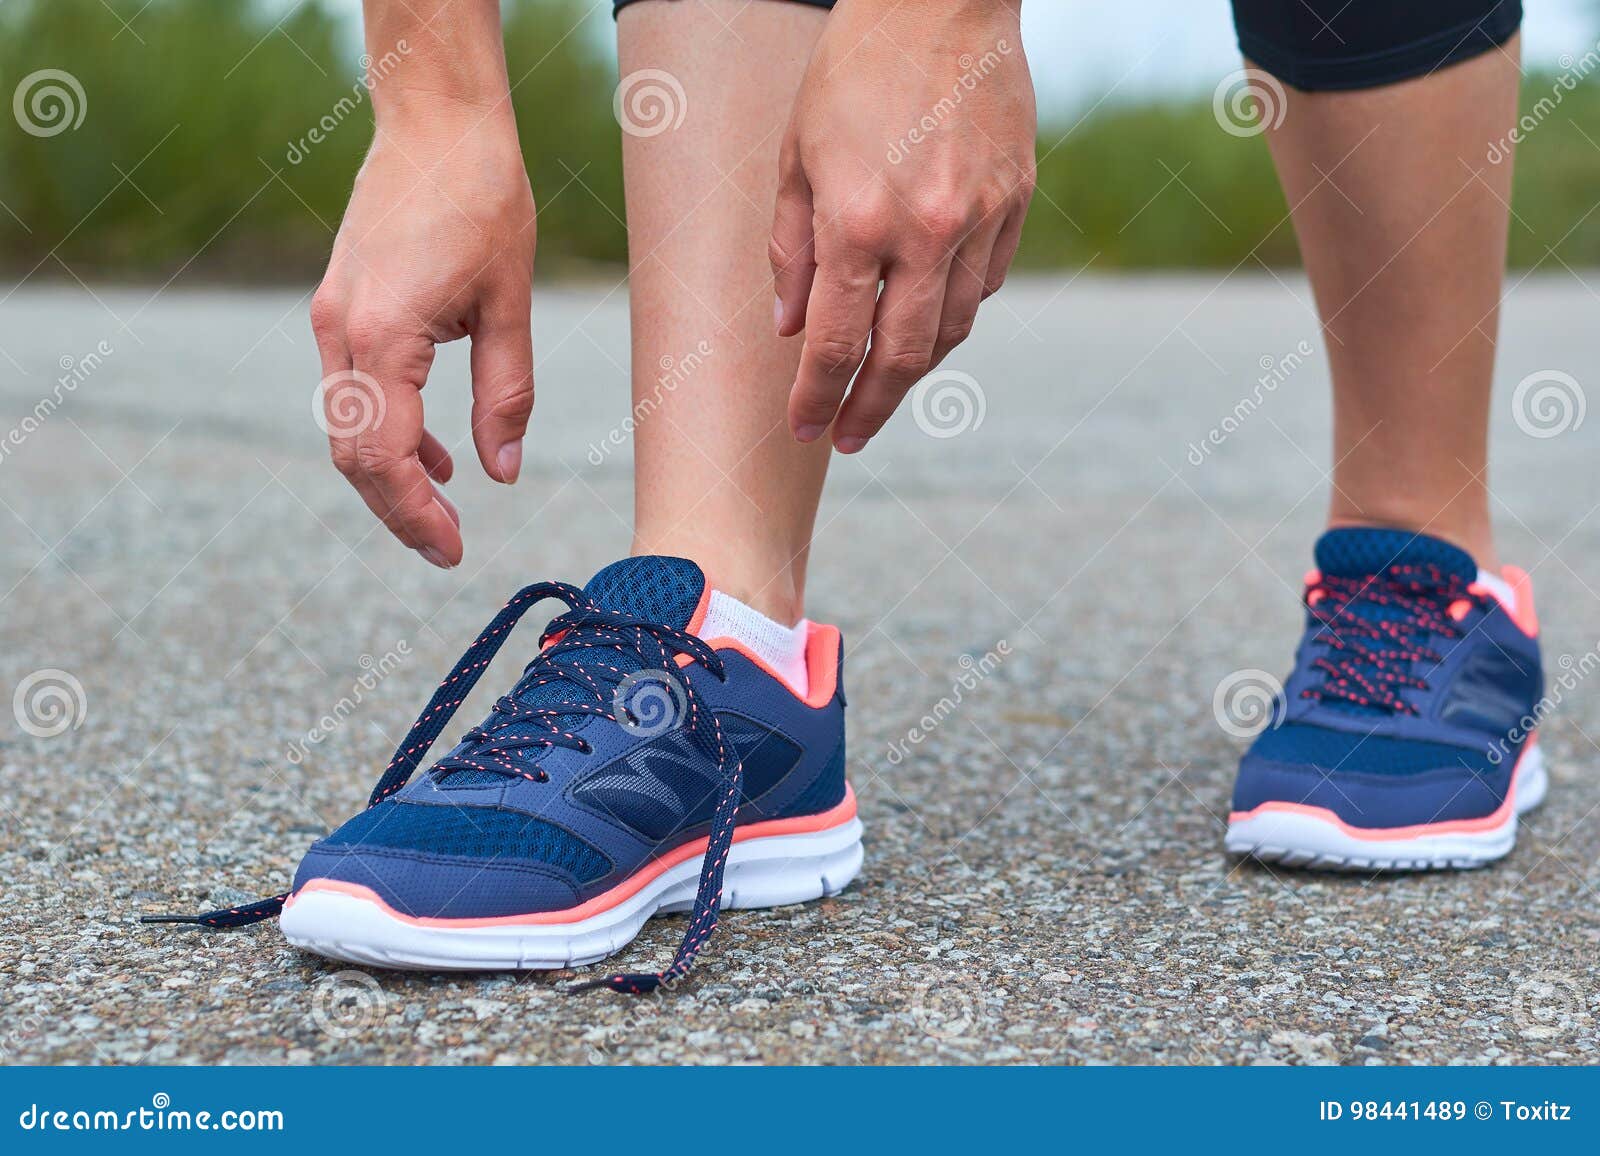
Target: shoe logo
652, 789
669, 784
643, 779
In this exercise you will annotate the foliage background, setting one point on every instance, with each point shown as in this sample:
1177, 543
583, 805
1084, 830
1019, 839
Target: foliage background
181, 166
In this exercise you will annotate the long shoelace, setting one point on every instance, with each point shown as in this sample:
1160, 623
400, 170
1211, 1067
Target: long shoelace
567, 656
1376, 627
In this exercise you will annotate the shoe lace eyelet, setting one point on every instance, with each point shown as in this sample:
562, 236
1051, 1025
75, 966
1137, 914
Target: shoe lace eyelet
541, 777
585, 747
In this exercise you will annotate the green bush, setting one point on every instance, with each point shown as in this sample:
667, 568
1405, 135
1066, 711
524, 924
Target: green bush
189, 112
1154, 186
219, 138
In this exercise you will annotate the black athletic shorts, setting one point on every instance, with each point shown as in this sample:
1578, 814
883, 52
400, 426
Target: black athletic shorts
1334, 44
1331, 44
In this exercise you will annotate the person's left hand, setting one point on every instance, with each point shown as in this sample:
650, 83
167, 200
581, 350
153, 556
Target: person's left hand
909, 160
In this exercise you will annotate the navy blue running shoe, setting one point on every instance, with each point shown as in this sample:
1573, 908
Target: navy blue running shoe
1404, 739
636, 768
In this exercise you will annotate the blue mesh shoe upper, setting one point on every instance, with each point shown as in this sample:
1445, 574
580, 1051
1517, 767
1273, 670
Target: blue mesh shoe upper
471, 833
664, 590
1361, 552
1409, 693
1361, 752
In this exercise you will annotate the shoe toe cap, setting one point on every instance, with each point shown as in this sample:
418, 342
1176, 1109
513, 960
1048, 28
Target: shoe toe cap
430, 887
1371, 799
451, 862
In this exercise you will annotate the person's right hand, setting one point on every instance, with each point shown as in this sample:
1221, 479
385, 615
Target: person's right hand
437, 244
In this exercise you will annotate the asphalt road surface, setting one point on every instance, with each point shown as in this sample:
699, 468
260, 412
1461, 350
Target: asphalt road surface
1117, 516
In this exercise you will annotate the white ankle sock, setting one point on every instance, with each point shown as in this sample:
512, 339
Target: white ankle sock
1500, 588
783, 648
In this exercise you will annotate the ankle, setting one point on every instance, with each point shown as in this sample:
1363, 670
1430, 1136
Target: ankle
783, 605
772, 588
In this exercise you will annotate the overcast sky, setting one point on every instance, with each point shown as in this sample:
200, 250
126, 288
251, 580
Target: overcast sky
1080, 49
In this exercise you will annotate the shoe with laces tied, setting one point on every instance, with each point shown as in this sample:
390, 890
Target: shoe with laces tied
638, 767
1405, 737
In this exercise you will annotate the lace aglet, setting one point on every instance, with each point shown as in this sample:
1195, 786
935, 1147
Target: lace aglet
228, 917
626, 984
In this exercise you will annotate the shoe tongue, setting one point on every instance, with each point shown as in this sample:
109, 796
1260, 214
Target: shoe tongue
660, 589
1359, 551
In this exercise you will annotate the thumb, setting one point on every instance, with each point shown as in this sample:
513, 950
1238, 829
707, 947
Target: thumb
502, 390
792, 250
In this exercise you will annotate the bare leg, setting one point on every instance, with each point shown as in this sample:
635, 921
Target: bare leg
718, 477
1402, 224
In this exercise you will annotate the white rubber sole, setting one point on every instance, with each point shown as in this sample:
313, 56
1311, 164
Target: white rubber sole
768, 871
1302, 836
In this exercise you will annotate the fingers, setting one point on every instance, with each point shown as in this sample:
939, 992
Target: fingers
375, 363
964, 291
435, 458
449, 506
394, 485
925, 312
373, 374
1005, 248
941, 267
792, 249
903, 340
384, 466
502, 385
838, 322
